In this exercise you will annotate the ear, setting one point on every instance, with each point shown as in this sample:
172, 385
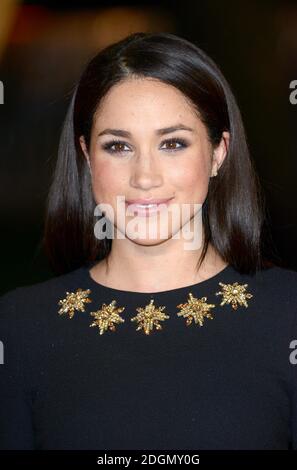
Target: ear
84, 149
220, 153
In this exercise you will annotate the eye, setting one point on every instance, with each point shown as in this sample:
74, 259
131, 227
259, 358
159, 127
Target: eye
118, 143
173, 141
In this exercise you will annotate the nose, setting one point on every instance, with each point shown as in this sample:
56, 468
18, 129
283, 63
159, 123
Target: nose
146, 173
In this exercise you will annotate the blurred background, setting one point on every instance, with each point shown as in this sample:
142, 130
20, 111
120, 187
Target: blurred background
44, 46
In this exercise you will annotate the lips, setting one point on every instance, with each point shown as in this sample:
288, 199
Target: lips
147, 201
146, 207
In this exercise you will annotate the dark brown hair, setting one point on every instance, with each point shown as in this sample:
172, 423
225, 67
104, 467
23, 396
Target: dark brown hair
233, 211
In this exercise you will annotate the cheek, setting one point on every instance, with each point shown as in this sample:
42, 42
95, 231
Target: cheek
191, 180
107, 182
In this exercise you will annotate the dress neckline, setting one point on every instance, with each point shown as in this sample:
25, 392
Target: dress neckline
220, 276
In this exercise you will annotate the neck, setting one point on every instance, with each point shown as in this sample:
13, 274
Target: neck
147, 268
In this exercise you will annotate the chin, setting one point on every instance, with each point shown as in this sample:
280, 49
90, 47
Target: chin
148, 241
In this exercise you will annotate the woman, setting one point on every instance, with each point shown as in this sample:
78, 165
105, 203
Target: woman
135, 344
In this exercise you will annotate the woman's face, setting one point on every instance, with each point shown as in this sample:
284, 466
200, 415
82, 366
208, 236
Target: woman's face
130, 156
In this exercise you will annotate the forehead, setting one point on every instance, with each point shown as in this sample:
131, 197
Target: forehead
147, 99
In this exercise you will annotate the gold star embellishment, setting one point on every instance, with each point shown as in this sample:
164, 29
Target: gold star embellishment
149, 316
195, 309
74, 301
234, 294
107, 316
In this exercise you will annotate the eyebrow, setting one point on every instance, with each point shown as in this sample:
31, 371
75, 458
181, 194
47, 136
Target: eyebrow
163, 131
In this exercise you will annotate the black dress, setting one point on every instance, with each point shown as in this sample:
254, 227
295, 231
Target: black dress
230, 383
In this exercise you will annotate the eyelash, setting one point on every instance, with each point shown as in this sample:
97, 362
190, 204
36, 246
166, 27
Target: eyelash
107, 146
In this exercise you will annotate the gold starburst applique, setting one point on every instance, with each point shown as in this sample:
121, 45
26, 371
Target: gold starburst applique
74, 301
195, 309
149, 316
107, 316
234, 294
